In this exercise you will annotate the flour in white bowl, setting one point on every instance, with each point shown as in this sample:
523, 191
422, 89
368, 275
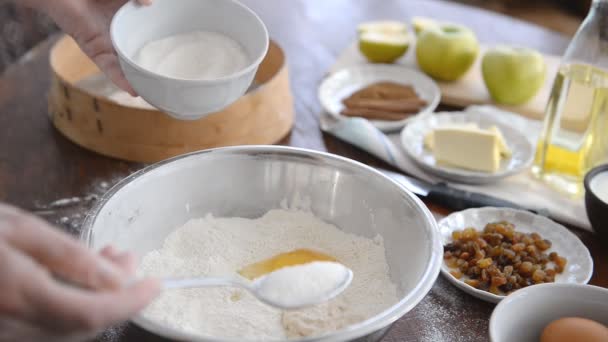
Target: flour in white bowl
198, 55
213, 246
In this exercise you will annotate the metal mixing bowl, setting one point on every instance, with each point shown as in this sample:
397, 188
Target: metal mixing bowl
139, 212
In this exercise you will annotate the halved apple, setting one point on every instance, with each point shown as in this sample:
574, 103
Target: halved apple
383, 41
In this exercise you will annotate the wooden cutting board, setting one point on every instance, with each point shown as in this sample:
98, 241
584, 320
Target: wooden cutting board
471, 90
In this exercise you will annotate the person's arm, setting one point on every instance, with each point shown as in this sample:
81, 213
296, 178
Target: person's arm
88, 22
54, 288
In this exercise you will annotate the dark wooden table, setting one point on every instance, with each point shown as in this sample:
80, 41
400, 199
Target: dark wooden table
39, 166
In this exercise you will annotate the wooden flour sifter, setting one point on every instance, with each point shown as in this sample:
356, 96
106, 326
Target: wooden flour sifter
262, 116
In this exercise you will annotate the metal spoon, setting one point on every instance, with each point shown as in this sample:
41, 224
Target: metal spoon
257, 287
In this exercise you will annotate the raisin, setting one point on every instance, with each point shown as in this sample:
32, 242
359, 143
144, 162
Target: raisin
472, 282
518, 247
543, 245
481, 242
494, 289
451, 247
552, 256
560, 262
525, 268
456, 274
498, 281
452, 262
510, 254
538, 276
484, 263
469, 234
531, 249
484, 275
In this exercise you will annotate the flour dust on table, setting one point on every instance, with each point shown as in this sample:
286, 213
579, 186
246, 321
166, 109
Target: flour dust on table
444, 316
212, 246
69, 212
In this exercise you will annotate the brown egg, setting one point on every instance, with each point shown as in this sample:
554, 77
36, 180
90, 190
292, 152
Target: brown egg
572, 329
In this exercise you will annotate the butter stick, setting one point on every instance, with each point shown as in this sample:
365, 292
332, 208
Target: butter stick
472, 149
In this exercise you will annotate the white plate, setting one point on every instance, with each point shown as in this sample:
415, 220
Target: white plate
578, 269
343, 83
412, 139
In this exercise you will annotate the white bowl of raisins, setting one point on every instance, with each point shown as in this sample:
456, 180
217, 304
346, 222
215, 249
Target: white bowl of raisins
492, 252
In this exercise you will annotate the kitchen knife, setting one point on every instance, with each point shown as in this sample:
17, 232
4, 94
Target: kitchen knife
452, 198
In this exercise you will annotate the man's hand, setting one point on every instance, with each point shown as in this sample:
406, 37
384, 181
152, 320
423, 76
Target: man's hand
38, 264
88, 21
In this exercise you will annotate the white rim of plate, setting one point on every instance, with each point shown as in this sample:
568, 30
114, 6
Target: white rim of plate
490, 297
462, 175
328, 83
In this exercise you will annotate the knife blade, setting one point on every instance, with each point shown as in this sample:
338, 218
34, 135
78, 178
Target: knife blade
452, 198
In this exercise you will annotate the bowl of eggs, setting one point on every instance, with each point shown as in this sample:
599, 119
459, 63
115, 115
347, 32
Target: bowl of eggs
552, 312
189, 58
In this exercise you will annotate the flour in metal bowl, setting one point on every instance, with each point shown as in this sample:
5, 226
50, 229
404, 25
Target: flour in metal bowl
213, 246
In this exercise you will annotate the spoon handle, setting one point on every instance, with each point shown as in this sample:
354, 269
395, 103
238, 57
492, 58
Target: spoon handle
185, 283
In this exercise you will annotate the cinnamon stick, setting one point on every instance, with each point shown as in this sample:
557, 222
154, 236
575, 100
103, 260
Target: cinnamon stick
409, 106
374, 114
385, 90
383, 100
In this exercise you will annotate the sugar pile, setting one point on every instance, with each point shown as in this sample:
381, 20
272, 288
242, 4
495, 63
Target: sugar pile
297, 285
198, 55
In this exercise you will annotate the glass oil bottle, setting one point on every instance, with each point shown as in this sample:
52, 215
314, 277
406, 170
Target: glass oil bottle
575, 134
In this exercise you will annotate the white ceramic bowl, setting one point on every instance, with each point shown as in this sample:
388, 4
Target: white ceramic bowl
139, 212
343, 83
523, 315
134, 25
579, 268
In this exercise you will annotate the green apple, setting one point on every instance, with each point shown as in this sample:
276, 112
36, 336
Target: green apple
446, 52
386, 26
383, 41
422, 23
513, 75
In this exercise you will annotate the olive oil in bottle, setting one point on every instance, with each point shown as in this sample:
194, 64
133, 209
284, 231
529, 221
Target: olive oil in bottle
576, 127
575, 134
